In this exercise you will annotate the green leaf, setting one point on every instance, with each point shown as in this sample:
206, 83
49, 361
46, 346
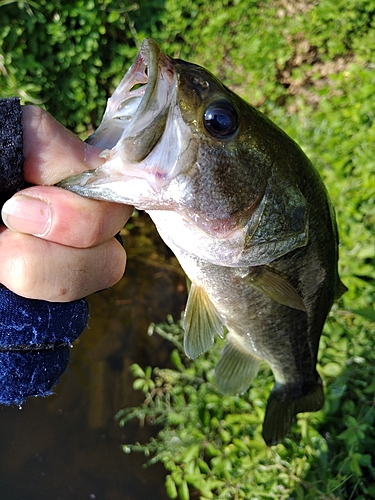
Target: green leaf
137, 371
332, 369
139, 384
354, 464
368, 313
184, 491
170, 487
191, 453
113, 16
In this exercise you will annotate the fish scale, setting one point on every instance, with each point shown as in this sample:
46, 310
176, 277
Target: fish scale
244, 211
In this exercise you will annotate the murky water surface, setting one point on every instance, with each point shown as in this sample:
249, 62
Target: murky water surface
68, 446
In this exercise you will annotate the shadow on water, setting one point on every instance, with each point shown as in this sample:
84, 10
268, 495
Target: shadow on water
68, 446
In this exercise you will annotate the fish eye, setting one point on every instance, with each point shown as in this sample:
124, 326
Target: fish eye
221, 119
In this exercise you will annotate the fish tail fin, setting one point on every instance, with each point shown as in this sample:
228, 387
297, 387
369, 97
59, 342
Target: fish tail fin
236, 367
283, 406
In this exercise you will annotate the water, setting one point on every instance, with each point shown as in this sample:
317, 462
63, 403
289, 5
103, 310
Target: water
68, 446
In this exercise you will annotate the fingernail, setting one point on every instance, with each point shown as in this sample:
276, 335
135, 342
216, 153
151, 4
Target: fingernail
27, 215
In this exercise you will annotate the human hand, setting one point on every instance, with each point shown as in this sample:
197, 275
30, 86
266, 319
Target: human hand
58, 246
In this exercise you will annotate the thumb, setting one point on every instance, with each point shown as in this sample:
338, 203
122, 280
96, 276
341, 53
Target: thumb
51, 152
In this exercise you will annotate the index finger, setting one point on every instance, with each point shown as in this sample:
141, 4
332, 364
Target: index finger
51, 152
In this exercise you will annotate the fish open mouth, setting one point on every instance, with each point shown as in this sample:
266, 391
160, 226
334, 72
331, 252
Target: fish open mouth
128, 110
133, 122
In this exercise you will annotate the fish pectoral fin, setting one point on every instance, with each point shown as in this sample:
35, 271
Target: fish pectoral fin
275, 286
283, 406
201, 322
236, 367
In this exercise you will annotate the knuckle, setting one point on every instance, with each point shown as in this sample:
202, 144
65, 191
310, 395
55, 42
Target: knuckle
22, 276
94, 234
116, 261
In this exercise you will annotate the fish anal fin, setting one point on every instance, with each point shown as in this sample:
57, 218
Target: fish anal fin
201, 322
282, 409
275, 286
236, 367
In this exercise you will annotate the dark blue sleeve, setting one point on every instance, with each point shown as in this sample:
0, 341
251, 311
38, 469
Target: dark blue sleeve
35, 340
35, 335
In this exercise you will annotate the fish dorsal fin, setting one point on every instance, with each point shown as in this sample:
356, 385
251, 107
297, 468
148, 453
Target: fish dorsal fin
341, 289
275, 286
236, 367
201, 322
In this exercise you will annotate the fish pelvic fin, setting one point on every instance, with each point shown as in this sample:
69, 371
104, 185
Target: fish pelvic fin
236, 367
275, 286
201, 322
282, 408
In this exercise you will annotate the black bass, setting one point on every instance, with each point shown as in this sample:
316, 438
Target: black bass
245, 213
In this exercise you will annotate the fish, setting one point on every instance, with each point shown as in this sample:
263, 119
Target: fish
244, 211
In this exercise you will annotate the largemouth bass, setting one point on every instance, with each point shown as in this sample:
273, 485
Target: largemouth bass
245, 213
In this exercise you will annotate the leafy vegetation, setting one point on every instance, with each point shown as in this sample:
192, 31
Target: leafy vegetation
212, 443
67, 55
309, 66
